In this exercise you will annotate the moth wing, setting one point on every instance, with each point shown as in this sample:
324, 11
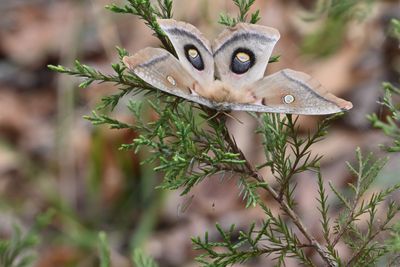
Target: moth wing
162, 70
193, 49
244, 41
294, 92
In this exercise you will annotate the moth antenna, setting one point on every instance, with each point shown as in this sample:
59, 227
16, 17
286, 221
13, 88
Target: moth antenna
232, 117
175, 103
221, 178
184, 206
215, 115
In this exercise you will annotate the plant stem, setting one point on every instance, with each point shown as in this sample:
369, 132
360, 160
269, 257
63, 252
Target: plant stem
283, 204
350, 218
361, 250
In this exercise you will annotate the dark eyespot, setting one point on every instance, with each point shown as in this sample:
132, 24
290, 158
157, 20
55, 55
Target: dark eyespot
242, 60
194, 56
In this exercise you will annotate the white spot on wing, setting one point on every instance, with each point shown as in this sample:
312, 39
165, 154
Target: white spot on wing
288, 99
171, 80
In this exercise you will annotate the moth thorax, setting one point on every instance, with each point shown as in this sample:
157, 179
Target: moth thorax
219, 91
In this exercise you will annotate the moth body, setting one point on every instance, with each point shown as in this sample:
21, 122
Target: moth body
219, 91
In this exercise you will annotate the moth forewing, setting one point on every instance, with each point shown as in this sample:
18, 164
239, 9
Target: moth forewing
162, 70
242, 53
193, 49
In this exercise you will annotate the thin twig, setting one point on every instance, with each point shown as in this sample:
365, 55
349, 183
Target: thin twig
284, 205
356, 255
350, 218
299, 153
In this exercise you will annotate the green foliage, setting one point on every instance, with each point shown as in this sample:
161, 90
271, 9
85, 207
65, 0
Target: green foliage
287, 154
393, 246
189, 143
185, 152
244, 8
390, 124
138, 257
147, 11
104, 250
282, 242
341, 9
20, 249
335, 15
234, 252
395, 30
142, 260
126, 81
357, 207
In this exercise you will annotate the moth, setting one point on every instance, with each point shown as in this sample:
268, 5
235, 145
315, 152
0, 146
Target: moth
229, 74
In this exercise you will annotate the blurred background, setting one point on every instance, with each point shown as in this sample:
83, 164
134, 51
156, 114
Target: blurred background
52, 160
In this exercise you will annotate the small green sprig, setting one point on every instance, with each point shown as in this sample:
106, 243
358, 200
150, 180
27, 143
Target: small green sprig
142, 260
395, 29
186, 153
127, 82
390, 126
20, 249
347, 226
234, 248
104, 250
244, 8
341, 9
138, 257
287, 154
147, 11
335, 16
